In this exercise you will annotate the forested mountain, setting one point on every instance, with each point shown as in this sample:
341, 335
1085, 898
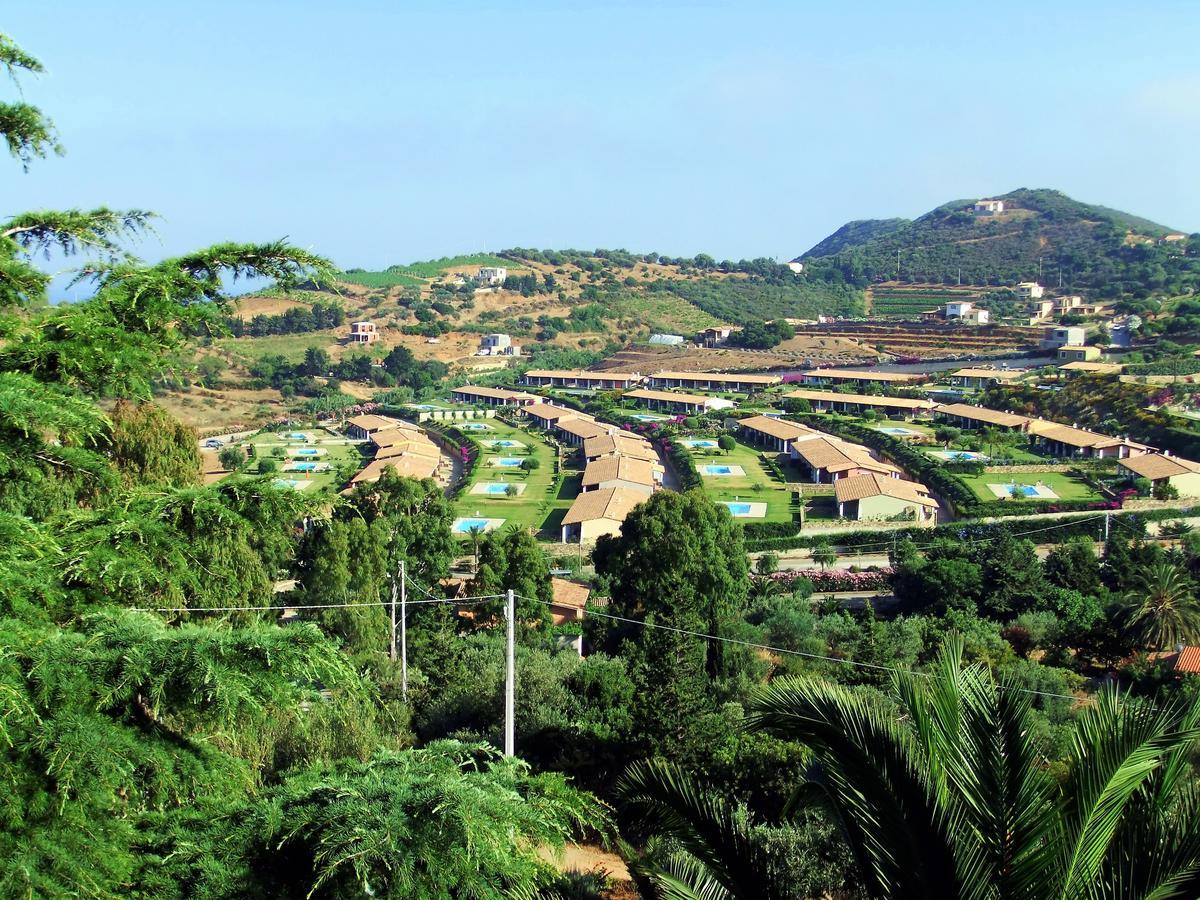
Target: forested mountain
1041, 235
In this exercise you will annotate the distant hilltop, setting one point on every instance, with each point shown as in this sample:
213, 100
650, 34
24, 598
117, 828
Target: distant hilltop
1020, 236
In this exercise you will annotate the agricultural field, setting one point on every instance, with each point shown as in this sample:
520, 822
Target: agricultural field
381, 279
749, 481
541, 498
434, 268
1034, 485
664, 311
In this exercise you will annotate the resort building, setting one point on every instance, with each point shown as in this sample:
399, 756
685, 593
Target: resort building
1079, 367
623, 472
473, 394
859, 377
360, 428
574, 430
877, 497
827, 459
982, 378
618, 443
1065, 440
775, 434
363, 333
597, 513
1081, 353
682, 404
712, 381
1162, 468
963, 415
596, 381
988, 207
856, 404
546, 414
400, 446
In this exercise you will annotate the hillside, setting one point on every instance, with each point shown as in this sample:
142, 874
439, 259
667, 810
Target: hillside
1041, 235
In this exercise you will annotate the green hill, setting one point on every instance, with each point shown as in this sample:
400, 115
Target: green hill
1079, 246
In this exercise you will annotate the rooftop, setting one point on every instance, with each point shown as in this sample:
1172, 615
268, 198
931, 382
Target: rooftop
1079, 365
613, 503
1157, 465
581, 427
835, 397
863, 375
647, 394
619, 468
862, 487
982, 414
776, 428
580, 374
376, 423
493, 393
719, 376
998, 374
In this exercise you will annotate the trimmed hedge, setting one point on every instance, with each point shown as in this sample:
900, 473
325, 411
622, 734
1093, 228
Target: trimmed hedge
759, 530
1057, 531
685, 467
461, 444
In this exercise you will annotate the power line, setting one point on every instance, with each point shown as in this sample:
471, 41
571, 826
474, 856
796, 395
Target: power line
298, 606
833, 659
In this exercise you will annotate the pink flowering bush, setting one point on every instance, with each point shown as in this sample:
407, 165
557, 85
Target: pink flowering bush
835, 580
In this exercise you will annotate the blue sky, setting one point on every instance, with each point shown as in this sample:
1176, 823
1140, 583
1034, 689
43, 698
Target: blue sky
381, 132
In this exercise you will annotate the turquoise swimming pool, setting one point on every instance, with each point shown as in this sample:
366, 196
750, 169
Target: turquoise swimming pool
304, 467
738, 509
698, 442
508, 462
716, 470
462, 526
306, 451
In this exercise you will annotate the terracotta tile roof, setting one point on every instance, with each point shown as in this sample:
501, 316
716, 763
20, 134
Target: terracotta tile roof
426, 449
1080, 365
861, 487
579, 427
835, 397
667, 396
549, 413
619, 444
570, 593
472, 390
397, 436
1188, 660
580, 375
998, 374
861, 375
607, 503
776, 428
619, 468
406, 465
982, 414
1156, 465
833, 455
376, 423
716, 377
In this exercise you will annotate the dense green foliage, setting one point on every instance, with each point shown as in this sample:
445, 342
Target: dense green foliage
1041, 231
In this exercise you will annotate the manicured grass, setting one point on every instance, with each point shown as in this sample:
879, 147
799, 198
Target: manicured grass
756, 486
543, 503
337, 454
1065, 486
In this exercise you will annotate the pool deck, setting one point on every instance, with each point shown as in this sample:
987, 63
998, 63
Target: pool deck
482, 488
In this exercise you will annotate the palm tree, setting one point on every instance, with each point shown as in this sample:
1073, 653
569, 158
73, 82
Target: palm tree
951, 799
475, 533
824, 555
1162, 610
763, 588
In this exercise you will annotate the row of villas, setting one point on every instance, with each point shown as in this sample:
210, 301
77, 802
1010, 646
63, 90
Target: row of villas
865, 487
622, 470
621, 381
1051, 437
399, 445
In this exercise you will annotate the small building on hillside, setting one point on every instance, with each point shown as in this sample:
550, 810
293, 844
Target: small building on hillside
1063, 336
1081, 353
1075, 305
1091, 368
498, 345
1030, 290
1162, 468
597, 513
492, 275
796, 266
880, 498
714, 337
1039, 310
363, 333
956, 309
988, 207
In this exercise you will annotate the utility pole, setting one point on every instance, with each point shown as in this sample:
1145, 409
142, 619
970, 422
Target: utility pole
395, 588
403, 629
510, 674
1106, 515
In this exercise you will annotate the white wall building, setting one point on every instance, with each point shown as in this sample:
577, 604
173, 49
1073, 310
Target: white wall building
989, 207
492, 274
1030, 290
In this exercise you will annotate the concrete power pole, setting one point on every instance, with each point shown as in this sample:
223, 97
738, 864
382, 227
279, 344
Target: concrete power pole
395, 588
403, 629
510, 674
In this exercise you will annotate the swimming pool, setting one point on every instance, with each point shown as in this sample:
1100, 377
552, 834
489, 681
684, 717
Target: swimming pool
496, 487
462, 526
708, 444
738, 509
289, 483
304, 467
476, 426
646, 417
961, 455
716, 470
297, 436
896, 430
306, 451
503, 444
427, 406
1025, 490
508, 462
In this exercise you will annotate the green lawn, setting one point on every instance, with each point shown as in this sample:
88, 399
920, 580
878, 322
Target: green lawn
543, 503
1066, 487
758, 485
338, 454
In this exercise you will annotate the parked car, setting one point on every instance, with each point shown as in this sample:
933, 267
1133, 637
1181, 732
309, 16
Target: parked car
214, 444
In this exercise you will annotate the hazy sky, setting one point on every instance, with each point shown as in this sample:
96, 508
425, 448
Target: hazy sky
384, 132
